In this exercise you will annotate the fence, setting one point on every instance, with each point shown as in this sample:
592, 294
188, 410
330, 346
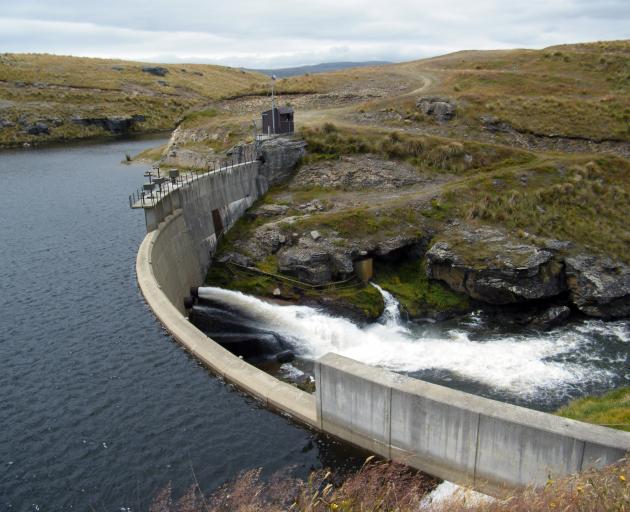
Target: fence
159, 186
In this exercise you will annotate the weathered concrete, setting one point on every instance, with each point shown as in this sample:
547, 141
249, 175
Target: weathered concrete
166, 265
489, 445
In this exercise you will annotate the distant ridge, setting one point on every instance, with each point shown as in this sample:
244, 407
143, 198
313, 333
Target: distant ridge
318, 68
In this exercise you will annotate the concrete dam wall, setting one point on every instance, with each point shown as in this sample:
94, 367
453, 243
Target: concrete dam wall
489, 445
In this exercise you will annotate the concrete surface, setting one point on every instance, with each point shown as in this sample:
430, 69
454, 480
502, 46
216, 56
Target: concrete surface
491, 446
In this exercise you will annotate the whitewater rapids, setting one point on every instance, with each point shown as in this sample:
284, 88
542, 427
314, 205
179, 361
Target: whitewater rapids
519, 365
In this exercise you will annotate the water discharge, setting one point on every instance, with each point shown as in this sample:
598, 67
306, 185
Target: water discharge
521, 365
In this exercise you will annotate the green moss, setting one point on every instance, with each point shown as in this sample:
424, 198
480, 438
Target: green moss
417, 294
611, 409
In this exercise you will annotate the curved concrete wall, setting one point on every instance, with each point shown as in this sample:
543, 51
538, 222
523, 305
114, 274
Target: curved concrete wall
453, 435
166, 265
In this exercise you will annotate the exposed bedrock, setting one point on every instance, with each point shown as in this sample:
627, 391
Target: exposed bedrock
279, 157
492, 267
599, 286
113, 124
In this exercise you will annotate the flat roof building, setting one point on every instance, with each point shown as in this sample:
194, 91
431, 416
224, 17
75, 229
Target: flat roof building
283, 121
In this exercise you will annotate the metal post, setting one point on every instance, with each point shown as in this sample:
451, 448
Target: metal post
273, 103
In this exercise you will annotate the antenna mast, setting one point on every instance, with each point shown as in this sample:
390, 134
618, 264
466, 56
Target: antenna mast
273, 104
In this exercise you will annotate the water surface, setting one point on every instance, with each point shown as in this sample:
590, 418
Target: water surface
98, 406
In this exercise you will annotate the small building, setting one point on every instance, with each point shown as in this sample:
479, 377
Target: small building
283, 121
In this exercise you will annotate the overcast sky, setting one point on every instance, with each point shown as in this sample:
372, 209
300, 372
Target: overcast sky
280, 33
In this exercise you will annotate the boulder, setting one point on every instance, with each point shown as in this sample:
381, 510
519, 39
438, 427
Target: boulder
5, 123
494, 124
488, 265
155, 70
279, 157
599, 286
442, 109
38, 129
235, 257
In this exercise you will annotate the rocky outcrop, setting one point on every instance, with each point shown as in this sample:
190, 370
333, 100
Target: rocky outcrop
113, 124
599, 286
155, 70
491, 267
279, 157
360, 172
38, 129
494, 124
441, 109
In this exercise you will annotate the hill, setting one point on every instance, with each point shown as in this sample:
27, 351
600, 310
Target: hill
55, 98
318, 68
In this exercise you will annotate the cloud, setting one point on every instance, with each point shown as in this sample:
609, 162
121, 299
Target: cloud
279, 33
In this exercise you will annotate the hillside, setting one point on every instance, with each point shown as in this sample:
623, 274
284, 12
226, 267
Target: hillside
45, 98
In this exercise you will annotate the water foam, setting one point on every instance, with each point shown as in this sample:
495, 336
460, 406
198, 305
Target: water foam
519, 365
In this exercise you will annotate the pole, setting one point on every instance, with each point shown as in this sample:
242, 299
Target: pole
273, 104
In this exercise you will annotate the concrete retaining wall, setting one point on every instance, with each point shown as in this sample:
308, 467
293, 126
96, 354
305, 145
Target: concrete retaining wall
166, 266
489, 445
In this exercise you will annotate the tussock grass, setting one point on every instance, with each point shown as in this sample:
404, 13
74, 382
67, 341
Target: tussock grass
586, 201
425, 152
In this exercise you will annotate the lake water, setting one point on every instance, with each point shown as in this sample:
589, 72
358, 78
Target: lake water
99, 407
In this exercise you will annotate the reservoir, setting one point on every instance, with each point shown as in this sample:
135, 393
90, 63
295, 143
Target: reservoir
99, 407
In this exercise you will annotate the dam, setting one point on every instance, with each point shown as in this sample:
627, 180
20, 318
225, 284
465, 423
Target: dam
471, 440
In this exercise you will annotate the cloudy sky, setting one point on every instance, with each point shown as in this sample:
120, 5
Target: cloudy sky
280, 33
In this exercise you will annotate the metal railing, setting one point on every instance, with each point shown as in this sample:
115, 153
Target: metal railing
162, 183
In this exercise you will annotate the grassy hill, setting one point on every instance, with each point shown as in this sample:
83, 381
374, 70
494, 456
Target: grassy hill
573, 91
54, 89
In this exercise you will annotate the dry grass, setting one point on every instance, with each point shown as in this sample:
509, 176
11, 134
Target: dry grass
389, 487
578, 199
55, 88
378, 486
580, 91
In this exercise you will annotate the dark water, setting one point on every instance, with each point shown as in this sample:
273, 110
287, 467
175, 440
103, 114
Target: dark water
99, 408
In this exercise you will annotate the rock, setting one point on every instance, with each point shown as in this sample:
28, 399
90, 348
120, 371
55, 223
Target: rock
113, 124
162, 82
550, 318
235, 257
491, 267
494, 124
308, 266
155, 70
5, 123
599, 286
282, 239
118, 68
279, 157
270, 210
442, 109
315, 235
38, 129
277, 292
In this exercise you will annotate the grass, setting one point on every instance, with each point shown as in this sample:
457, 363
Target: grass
611, 409
420, 297
390, 487
580, 199
50, 87
425, 152
580, 91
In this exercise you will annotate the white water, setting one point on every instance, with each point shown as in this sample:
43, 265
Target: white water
522, 366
